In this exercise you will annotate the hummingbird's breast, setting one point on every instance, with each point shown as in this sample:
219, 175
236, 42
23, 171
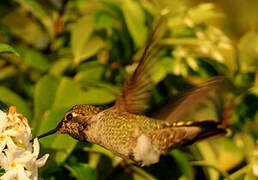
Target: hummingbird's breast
126, 135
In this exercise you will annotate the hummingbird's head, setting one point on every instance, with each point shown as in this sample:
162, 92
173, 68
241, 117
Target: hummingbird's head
75, 121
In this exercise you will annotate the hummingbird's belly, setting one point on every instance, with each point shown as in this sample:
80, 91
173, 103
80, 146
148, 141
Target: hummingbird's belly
144, 152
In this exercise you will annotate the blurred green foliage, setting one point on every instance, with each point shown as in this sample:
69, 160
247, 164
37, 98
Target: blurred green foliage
58, 53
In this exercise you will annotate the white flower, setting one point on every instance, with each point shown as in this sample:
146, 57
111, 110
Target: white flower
214, 43
3, 125
13, 160
18, 157
3, 121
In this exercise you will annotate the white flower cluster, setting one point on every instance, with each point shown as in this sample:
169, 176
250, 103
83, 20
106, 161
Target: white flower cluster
18, 157
214, 42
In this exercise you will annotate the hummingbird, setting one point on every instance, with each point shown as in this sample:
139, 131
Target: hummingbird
125, 130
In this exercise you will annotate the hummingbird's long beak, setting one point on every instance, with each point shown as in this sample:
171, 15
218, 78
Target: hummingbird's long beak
46, 134
53, 131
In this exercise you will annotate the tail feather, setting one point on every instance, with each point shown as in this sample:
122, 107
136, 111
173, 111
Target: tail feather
208, 129
184, 133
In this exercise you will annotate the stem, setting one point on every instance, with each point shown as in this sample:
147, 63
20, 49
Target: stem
143, 173
203, 163
184, 41
240, 172
94, 150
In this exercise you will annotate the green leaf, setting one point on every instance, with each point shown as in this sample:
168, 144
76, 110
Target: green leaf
6, 48
90, 71
178, 28
59, 66
81, 171
91, 74
94, 159
55, 93
25, 28
64, 144
98, 96
12, 99
89, 65
48, 122
250, 174
2, 171
7, 72
229, 155
44, 96
36, 9
181, 41
69, 93
135, 21
241, 173
183, 164
209, 156
34, 59
4, 107
141, 174
203, 12
84, 44
150, 7
247, 144
100, 150
110, 88
102, 19
210, 166
162, 68
248, 52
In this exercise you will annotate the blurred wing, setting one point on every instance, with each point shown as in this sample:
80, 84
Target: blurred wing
136, 91
192, 102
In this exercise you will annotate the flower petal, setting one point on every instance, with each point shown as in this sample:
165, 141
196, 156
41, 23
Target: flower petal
25, 158
36, 147
21, 173
34, 175
41, 162
10, 144
11, 132
9, 175
2, 144
4, 162
3, 121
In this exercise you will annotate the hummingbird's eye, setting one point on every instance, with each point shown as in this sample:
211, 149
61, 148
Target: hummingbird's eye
69, 116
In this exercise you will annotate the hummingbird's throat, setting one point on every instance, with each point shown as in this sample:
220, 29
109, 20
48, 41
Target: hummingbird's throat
72, 128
